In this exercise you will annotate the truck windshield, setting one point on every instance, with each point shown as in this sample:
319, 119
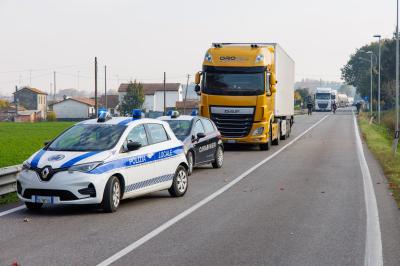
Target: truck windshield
233, 83
88, 138
323, 96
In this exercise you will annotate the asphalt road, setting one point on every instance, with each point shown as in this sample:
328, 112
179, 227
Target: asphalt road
304, 206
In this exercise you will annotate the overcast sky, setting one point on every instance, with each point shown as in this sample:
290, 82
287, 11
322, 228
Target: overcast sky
141, 39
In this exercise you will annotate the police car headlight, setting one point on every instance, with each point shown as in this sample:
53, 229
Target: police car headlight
26, 166
258, 131
86, 167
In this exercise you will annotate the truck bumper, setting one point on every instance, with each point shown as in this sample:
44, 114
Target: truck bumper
253, 139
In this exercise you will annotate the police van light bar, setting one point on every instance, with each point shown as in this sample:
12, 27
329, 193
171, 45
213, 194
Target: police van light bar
136, 113
195, 112
174, 114
104, 116
169, 112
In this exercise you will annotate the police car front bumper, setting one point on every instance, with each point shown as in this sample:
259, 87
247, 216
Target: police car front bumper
63, 188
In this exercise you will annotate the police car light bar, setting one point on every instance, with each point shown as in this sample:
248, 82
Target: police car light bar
136, 113
195, 112
103, 116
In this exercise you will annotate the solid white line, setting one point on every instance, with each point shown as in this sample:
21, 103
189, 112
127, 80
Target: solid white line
12, 210
373, 241
185, 213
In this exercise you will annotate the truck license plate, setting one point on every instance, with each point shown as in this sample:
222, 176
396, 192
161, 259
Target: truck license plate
45, 199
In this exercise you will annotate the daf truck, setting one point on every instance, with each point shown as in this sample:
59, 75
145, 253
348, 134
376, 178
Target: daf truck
247, 89
323, 99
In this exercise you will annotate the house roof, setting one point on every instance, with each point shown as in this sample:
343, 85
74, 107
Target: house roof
112, 100
189, 104
83, 100
37, 91
151, 88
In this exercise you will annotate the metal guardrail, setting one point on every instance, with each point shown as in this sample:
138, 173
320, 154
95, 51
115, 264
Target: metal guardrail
8, 177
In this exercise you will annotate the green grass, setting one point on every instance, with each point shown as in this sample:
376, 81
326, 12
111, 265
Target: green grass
380, 144
9, 198
18, 141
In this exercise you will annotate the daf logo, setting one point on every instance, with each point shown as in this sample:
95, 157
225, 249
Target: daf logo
57, 157
232, 111
45, 172
229, 58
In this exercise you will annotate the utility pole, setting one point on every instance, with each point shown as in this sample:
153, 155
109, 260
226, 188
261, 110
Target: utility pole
16, 101
184, 101
165, 102
78, 80
396, 135
95, 87
105, 85
379, 77
55, 87
371, 83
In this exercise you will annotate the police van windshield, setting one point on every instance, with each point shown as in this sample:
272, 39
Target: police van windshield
323, 96
181, 128
88, 138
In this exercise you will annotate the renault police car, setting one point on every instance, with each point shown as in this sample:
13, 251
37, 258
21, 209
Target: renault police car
103, 161
201, 139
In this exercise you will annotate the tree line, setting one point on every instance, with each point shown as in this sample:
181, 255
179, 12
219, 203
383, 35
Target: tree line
358, 68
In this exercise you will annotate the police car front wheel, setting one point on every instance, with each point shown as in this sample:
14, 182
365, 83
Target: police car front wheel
179, 182
112, 195
219, 158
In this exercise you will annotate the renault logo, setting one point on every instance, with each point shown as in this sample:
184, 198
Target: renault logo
45, 172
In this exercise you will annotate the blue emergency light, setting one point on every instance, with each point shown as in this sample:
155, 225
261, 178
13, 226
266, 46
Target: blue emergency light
195, 112
103, 116
136, 113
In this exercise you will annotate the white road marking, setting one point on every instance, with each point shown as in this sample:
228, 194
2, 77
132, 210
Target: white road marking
373, 241
185, 213
12, 210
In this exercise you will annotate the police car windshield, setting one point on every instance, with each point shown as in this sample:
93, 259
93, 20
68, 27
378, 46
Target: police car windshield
88, 138
181, 128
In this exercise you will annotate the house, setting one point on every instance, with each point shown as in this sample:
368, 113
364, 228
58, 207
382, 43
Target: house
154, 95
74, 108
9, 113
186, 107
112, 103
32, 99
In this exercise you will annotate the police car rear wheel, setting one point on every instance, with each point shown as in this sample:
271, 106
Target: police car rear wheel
190, 160
219, 158
33, 206
179, 183
112, 195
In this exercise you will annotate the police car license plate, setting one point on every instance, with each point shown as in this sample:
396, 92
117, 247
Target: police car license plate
231, 141
46, 199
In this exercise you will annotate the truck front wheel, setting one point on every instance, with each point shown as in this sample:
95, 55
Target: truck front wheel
267, 146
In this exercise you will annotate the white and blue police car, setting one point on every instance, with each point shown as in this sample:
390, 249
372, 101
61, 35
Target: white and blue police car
103, 161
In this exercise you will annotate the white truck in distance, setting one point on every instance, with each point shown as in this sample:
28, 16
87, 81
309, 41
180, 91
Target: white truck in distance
342, 100
323, 101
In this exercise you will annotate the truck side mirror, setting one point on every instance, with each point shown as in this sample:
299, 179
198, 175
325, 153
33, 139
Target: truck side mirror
197, 89
197, 78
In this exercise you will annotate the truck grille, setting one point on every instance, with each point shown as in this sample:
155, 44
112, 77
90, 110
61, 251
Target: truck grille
322, 105
64, 195
233, 126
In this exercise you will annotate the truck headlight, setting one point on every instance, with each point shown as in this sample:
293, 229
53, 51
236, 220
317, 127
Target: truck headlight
26, 166
258, 131
86, 167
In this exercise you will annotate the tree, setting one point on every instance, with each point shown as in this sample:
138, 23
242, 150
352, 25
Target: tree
4, 104
133, 99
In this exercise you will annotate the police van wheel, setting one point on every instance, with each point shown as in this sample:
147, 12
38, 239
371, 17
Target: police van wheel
33, 206
112, 195
219, 158
190, 159
179, 183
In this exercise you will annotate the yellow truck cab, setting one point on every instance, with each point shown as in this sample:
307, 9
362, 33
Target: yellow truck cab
247, 89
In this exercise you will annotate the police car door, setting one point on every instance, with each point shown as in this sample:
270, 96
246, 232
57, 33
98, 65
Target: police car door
211, 139
137, 170
200, 153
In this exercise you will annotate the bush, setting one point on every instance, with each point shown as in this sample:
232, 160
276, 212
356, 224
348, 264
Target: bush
51, 116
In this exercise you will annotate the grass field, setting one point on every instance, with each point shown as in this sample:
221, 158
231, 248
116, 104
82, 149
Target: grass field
379, 141
18, 141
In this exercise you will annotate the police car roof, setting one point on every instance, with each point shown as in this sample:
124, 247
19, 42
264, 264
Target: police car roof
181, 117
120, 121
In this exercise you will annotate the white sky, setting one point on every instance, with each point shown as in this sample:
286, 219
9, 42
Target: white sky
141, 39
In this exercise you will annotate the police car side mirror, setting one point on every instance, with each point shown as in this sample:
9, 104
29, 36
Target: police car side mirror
197, 89
201, 135
133, 146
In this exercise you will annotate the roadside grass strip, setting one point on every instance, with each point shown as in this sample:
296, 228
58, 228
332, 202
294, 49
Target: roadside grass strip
380, 144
